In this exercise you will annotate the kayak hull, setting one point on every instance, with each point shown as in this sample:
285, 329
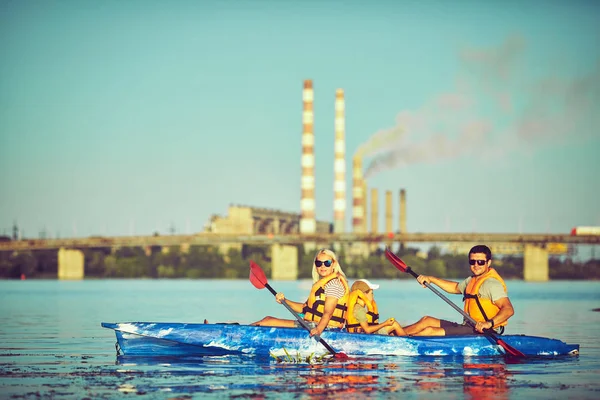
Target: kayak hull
187, 339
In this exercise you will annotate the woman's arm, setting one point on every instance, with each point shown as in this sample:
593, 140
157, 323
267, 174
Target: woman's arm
298, 307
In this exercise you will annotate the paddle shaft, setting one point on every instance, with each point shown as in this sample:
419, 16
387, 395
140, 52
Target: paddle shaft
490, 332
302, 321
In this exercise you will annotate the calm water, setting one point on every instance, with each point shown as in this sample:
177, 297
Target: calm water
52, 345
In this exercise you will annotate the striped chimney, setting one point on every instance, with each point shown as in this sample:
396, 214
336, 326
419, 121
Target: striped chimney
374, 210
339, 165
364, 205
308, 223
388, 211
403, 211
358, 211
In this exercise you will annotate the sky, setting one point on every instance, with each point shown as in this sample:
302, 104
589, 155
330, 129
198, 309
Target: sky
134, 117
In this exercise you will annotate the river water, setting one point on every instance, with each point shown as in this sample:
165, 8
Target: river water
52, 345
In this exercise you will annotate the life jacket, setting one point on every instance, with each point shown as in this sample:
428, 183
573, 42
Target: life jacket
352, 324
480, 309
315, 305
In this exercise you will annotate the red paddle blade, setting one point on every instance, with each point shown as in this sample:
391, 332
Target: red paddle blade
257, 276
395, 260
509, 349
341, 356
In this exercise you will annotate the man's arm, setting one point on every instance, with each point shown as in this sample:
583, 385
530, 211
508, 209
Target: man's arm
494, 290
447, 286
506, 311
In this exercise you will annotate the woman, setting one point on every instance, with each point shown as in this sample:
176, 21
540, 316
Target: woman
326, 304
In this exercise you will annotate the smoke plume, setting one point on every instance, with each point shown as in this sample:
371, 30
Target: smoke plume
495, 107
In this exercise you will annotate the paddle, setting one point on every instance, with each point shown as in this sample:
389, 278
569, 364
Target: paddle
259, 280
398, 263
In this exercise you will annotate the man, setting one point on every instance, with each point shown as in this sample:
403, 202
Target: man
485, 296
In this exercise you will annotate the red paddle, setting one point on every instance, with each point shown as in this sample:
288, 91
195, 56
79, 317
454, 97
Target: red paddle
259, 280
398, 263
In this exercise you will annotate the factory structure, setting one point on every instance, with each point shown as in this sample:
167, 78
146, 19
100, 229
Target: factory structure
252, 220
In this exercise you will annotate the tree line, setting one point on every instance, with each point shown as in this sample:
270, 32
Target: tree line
206, 262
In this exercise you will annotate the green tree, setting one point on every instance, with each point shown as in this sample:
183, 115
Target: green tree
509, 267
94, 263
238, 266
457, 266
436, 267
163, 271
207, 261
26, 264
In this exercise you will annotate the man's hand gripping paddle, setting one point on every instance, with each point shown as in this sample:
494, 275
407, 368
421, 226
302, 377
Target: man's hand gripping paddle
259, 280
398, 263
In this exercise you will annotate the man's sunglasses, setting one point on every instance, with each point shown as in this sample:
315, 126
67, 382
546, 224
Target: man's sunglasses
479, 262
326, 263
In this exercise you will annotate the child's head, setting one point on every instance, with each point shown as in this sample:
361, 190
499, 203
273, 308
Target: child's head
364, 286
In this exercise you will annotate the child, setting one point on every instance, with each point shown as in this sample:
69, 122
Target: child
362, 315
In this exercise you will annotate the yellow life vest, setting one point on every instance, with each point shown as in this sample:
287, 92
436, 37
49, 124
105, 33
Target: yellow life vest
315, 305
480, 309
352, 324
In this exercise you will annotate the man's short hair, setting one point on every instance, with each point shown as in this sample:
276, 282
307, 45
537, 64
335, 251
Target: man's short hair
481, 248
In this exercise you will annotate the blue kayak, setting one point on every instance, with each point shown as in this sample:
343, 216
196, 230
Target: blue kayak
182, 339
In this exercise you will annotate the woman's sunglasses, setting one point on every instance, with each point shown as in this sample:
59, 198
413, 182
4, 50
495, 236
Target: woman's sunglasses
479, 262
326, 263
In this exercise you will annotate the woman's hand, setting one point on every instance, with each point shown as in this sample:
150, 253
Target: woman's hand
423, 279
315, 331
279, 297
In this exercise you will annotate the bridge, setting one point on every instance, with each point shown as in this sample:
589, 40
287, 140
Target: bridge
207, 238
284, 250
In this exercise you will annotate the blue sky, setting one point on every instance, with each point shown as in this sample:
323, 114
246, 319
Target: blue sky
121, 117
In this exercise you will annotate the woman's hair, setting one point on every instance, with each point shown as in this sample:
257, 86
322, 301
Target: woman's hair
336, 265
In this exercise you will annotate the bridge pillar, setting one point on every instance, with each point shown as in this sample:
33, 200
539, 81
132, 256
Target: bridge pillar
536, 263
70, 264
284, 262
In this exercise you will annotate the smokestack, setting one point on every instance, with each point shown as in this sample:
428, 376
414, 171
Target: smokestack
374, 211
358, 211
364, 205
402, 211
308, 223
339, 165
388, 211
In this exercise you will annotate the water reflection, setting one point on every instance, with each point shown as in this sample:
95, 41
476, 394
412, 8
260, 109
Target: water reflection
343, 380
480, 377
485, 380
475, 377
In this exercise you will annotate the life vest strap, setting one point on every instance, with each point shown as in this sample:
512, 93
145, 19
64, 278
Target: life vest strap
476, 298
316, 313
374, 316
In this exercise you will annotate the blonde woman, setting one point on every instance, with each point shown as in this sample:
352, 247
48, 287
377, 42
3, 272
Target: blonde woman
326, 303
